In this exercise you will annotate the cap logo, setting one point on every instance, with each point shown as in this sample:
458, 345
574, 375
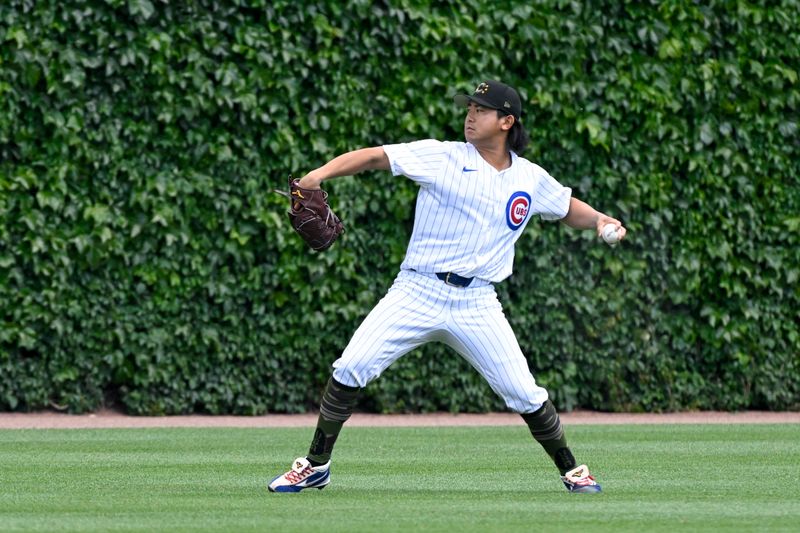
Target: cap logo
483, 88
506, 104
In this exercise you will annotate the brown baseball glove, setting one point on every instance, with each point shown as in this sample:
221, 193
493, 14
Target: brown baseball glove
312, 217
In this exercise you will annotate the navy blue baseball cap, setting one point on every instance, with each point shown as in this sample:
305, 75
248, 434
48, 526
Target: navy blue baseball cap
494, 95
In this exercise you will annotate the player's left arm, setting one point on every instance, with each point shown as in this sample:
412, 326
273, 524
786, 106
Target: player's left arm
583, 216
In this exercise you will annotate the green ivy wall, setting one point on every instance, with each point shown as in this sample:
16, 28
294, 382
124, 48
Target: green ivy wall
144, 261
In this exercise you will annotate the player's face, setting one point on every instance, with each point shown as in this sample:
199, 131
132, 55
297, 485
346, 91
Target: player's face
482, 124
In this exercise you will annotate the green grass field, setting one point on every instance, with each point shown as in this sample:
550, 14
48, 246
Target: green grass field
655, 478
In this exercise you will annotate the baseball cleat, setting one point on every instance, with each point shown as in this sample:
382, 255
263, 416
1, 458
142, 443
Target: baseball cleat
578, 480
302, 476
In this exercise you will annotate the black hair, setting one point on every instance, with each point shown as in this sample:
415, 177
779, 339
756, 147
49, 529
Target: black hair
518, 138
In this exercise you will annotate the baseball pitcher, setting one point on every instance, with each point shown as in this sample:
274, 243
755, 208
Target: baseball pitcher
475, 198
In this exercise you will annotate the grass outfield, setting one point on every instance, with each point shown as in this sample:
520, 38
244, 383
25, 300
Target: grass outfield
655, 478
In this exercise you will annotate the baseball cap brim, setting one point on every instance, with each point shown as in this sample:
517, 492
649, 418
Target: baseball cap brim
465, 99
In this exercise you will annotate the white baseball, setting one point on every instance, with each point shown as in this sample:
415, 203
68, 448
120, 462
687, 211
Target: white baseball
610, 234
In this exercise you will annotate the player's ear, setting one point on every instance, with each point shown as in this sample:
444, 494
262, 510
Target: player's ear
508, 122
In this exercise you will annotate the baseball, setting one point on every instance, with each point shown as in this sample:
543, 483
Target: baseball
610, 234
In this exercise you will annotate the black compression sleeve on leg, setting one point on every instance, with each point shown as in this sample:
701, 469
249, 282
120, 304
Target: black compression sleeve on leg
338, 402
546, 428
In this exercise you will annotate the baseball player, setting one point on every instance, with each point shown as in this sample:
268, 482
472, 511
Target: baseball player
474, 200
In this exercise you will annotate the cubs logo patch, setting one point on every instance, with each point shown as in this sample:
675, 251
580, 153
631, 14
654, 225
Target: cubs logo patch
517, 209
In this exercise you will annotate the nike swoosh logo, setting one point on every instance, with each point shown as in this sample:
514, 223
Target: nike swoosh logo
465, 169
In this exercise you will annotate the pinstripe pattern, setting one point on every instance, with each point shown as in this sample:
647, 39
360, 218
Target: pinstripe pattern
460, 223
482, 335
399, 323
418, 309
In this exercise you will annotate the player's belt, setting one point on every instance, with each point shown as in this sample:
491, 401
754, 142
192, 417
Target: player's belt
454, 279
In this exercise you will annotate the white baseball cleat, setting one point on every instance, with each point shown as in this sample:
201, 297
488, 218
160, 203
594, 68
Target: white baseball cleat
302, 476
578, 480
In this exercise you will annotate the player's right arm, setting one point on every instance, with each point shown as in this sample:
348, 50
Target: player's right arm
346, 165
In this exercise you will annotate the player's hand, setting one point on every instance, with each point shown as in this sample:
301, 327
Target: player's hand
602, 220
309, 181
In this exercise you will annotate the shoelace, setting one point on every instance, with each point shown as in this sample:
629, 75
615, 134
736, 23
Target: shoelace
297, 477
588, 480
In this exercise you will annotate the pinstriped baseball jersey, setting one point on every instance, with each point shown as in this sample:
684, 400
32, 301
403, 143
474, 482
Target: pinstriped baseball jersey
469, 214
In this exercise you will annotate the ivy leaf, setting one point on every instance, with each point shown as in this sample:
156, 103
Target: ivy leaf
143, 8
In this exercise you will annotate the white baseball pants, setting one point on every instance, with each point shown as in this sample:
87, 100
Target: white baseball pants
420, 308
